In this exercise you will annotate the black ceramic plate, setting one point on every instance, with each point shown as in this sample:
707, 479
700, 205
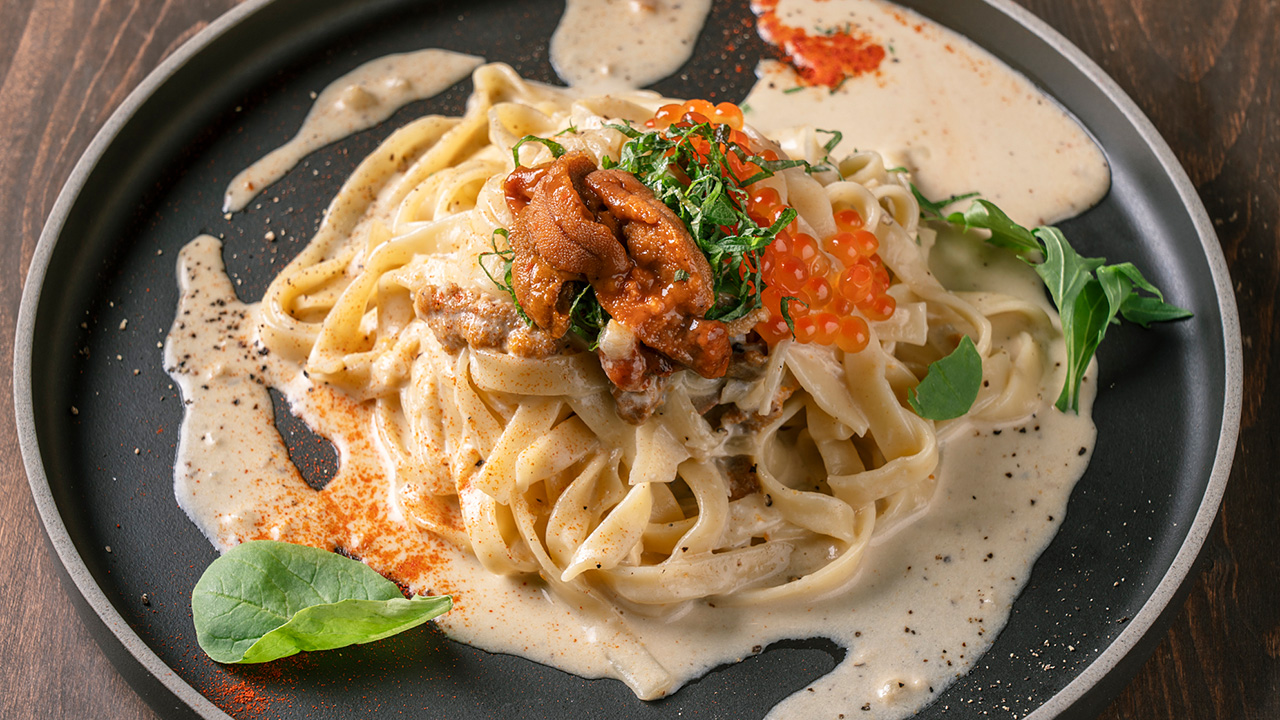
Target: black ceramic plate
99, 417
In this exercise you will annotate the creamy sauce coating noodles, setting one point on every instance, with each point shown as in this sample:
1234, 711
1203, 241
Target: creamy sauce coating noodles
462, 469
356, 101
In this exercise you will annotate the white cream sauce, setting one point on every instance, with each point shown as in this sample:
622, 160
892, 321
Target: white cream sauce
929, 598
356, 101
947, 110
603, 45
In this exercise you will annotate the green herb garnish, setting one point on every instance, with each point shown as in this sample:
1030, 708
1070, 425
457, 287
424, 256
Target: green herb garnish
556, 148
932, 209
707, 196
785, 307
710, 199
505, 258
830, 144
1004, 232
587, 317
951, 385
1088, 293
264, 600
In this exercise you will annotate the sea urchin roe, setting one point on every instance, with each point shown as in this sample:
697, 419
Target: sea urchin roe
576, 223
825, 59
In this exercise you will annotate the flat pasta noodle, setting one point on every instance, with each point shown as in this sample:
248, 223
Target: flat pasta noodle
737, 491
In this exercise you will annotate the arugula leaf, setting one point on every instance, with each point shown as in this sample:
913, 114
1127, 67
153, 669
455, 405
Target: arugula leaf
1144, 310
1065, 272
1120, 280
1004, 232
951, 385
264, 600
1088, 293
1089, 316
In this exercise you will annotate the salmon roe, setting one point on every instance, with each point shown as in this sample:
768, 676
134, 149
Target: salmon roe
725, 113
841, 281
835, 284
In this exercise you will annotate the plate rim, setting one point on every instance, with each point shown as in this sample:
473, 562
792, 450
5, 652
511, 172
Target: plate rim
1093, 675
1188, 553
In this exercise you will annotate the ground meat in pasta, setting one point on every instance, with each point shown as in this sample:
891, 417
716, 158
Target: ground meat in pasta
743, 480
462, 318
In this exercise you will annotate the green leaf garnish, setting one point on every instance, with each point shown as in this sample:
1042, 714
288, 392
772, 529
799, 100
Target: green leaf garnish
1088, 293
1004, 232
951, 385
1065, 272
264, 600
1144, 310
556, 148
836, 137
1089, 317
932, 209
710, 200
505, 259
707, 196
785, 306
587, 317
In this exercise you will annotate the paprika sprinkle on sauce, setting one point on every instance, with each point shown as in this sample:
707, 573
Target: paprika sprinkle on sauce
826, 59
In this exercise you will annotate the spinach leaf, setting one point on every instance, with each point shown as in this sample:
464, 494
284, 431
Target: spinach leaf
264, 600
951, 385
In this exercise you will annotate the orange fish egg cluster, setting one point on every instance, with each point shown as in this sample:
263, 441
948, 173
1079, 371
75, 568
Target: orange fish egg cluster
827, 281
828, 58
695, 112
725, 113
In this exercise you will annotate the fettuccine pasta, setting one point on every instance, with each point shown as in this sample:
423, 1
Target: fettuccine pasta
758, 486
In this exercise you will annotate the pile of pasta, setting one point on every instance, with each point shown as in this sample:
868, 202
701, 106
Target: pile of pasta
543, 477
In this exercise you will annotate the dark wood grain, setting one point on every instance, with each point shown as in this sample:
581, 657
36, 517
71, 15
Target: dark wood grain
1207, 72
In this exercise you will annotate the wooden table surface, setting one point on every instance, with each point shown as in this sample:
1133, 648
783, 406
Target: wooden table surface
1207, 72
